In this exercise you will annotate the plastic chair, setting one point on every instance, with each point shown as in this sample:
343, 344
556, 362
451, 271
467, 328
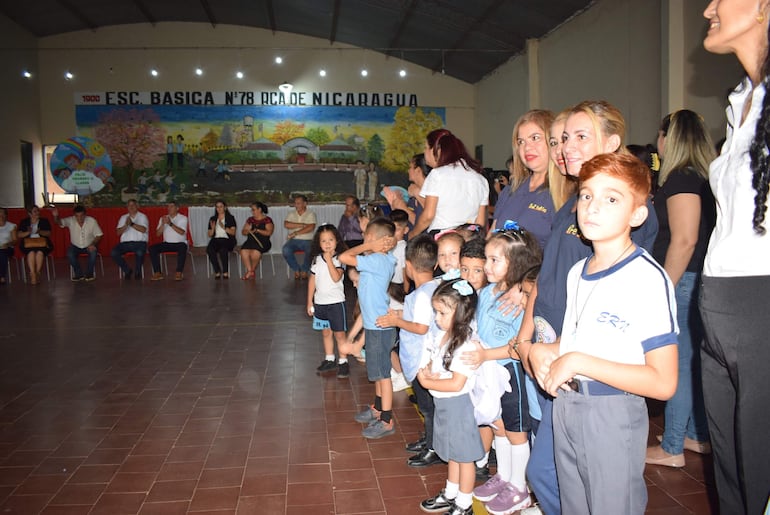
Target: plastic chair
288, 270
262, 260
125, 256
236, 251
101, 265
50, 267
164, 262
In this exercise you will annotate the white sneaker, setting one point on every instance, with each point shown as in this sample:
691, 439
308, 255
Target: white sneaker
398, 380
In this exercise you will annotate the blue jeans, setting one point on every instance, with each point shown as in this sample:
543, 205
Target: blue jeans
685, 414
139, 248
72, 254
541, 468
294, 245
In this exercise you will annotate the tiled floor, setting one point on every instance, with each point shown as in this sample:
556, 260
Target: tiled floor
201, 396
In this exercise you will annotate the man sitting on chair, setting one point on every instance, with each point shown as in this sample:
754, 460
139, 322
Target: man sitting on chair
173, 227
85, 234
301, 224
132, 229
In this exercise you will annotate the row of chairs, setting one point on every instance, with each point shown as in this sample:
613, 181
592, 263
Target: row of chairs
50, 268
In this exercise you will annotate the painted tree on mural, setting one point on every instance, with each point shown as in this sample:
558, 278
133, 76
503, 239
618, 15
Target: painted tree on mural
318, 135
375, 149
286, 130
133, 138
407, 136
209, 140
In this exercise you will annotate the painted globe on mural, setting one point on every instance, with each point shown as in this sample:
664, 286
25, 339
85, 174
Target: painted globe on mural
81, 165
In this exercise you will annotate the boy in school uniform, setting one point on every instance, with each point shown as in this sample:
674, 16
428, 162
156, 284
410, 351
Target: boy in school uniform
375, 265
618, 345
413, 324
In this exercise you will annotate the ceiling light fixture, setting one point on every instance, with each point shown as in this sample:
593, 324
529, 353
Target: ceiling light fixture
278, 60
198, 72
154, 72
364, 72
239, 74
68, 75
322, 73
402, 73
26, 74
286, 87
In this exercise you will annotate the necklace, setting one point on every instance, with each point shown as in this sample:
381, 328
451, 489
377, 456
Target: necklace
588, 297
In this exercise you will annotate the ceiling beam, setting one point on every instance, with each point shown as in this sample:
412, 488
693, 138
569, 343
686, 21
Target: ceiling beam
145, 12
406, 15
472, 27
335, 20
271, 16
80, 15
209, 12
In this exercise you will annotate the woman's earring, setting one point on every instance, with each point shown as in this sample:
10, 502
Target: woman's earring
761, 18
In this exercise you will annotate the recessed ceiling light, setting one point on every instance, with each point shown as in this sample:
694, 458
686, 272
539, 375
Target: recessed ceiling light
239, 74
26, 74
322, 73
278, 60
364, 72
198, 72
402, 73
68, 75
154, 72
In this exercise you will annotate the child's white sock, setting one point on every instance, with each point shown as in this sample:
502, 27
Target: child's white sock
451, 490
504, 463
329, 357
519, 459
483, 461
342, 361
464, 500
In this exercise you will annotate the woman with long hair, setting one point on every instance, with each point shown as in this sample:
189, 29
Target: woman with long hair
736, 270
528, 198
686, 212
455, 192
221, 232
257, 229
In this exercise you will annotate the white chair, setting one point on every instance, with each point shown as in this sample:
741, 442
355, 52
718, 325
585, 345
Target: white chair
272, 263
101, 265
210, 269
50, 267
164, 262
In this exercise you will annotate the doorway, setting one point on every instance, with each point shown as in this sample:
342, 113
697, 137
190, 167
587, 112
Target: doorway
27, 174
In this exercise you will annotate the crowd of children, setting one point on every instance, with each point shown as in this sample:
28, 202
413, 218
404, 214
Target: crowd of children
451, 312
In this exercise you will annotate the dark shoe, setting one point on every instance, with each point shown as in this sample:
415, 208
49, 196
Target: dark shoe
127, 276
456, 510
417, 446
89, 278
437, 504
379, 430
482, 473
77, 278
326, 365
343, 371
426, 458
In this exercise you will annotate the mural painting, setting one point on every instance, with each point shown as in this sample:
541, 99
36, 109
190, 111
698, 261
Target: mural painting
196, 153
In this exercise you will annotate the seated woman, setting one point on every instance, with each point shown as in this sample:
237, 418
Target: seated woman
35, 242
7, 242
257, 229
222, 242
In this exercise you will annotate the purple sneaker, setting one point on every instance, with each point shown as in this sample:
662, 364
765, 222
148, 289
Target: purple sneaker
490, 489
508, 501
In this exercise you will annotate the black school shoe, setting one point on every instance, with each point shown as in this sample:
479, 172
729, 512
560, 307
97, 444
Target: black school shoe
437, 504
343, 371
417, 446
426, 458
327, 365
482, 473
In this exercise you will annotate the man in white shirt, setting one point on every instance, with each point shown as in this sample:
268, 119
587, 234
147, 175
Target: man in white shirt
301, 225
173, 228
85, 234
133, 231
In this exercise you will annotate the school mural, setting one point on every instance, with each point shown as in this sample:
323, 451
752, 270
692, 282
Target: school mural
196, 152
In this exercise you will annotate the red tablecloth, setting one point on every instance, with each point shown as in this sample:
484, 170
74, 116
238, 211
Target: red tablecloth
108, 220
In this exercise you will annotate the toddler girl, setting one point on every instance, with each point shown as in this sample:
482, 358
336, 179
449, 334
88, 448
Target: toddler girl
326, 296
455, 434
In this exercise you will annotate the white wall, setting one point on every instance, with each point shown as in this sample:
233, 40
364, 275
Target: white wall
20, 106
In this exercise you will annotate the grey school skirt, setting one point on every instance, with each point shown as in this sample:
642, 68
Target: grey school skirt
455, 433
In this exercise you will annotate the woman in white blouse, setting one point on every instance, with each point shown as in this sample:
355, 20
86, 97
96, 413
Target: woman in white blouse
736, 273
